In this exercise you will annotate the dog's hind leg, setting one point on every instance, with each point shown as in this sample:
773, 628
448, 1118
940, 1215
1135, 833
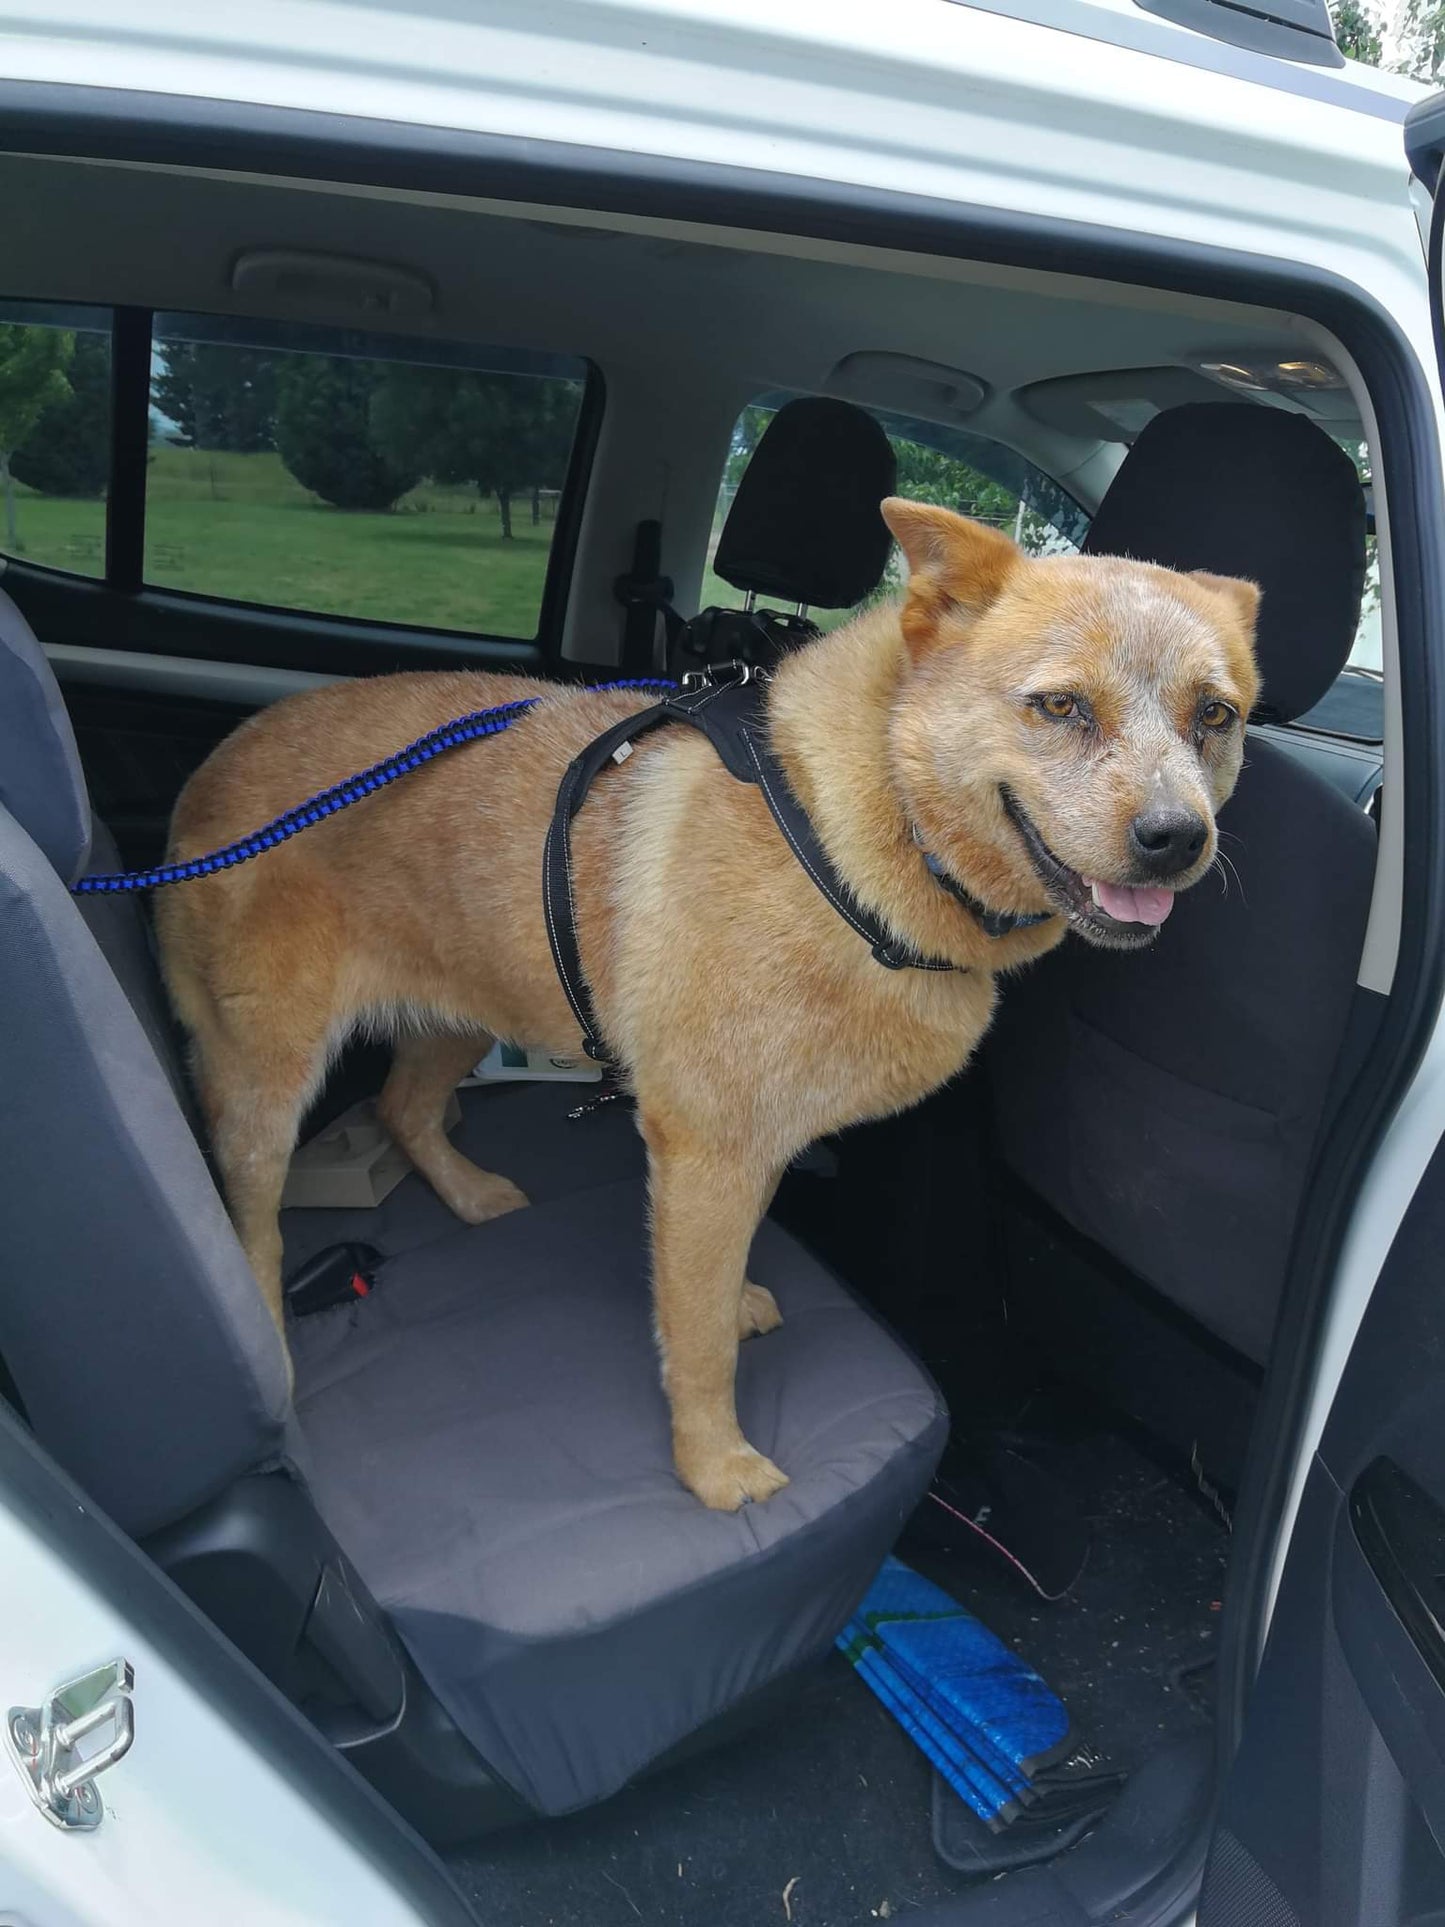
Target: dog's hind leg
425, 1070
259, 1060
705, 1204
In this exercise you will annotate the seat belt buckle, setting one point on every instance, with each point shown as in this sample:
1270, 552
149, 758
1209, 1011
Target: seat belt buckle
336, 1275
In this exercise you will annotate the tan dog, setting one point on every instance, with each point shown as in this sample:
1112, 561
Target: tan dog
1055, 733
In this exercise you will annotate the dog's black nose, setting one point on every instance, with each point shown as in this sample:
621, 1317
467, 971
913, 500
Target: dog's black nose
1166, 841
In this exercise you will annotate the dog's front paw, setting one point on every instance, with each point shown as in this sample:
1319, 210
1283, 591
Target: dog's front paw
484, 1195
732, 1478
759, 1312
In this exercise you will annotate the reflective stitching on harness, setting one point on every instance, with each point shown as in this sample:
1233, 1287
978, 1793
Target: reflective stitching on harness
553, 938
908, 959
843, 911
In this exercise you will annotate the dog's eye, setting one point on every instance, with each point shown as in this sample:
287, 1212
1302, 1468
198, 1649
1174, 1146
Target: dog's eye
1216, 715
1060, 706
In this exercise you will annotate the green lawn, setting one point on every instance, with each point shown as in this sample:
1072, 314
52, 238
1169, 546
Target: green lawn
241, 526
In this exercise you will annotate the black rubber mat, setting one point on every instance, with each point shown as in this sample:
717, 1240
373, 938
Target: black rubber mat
1128, 1646
821, 1818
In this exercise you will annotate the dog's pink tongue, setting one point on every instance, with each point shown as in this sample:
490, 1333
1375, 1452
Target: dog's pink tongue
1133, 906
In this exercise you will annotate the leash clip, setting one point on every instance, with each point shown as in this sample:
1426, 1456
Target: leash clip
724, 675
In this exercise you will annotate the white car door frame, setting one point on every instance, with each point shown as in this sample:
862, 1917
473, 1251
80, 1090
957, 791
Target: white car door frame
226, 1808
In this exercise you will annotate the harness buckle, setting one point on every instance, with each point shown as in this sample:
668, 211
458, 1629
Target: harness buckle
724, 675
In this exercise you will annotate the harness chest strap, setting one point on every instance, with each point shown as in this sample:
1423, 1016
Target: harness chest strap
730, 715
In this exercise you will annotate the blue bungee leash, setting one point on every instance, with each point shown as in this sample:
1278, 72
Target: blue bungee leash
470, 728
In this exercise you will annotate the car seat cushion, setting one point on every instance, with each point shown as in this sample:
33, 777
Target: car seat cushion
489, 1441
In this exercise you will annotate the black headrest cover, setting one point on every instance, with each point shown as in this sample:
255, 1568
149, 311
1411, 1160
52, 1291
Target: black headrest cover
804, 525
1246, 490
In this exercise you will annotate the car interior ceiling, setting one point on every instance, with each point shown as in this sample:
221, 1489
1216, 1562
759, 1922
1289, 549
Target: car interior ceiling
1081, 1240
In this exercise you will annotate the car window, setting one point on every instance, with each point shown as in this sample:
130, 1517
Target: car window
54, 434
947, 466
342, 474
1355, 705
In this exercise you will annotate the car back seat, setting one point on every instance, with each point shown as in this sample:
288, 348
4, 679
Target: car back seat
1163, 1107
460, 1546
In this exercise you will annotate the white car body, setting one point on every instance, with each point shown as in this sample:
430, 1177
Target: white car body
1088, 113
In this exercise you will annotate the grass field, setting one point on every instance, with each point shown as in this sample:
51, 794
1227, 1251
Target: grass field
241, 526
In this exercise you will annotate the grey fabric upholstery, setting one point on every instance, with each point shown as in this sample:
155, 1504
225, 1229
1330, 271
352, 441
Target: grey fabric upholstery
41, 784
521, 1130
129, 1318
489, 1441
122, 929
1166, 1104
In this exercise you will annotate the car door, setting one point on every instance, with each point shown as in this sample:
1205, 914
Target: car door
150, 1774
1333, 1808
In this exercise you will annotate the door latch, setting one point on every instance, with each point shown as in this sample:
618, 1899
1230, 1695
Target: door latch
45, 1740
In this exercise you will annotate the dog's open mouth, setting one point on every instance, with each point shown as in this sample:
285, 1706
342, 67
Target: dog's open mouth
1121, 916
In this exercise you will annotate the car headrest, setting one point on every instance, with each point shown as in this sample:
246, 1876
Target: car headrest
1246, 490
40, 777
804, 525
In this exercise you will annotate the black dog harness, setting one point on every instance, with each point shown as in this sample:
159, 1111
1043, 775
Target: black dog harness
726, 704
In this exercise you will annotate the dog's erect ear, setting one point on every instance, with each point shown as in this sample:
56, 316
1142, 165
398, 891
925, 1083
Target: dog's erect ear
954, 565
1243, 597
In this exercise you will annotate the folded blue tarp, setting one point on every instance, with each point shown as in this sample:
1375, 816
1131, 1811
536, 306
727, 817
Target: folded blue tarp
982, 1716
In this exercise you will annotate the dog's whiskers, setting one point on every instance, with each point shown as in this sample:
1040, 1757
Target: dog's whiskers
1224, 864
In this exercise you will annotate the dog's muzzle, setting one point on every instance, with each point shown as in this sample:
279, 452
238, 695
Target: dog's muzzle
1112, 915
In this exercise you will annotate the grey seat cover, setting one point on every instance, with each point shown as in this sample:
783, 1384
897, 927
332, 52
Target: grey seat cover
489, 1440
129, 1318
120, 926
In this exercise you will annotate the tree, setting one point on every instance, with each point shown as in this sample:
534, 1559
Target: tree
1357, 32
323, 432
219, 397
748, 431
32, 379
67, 452
498, 433
1420, 32
1038, 522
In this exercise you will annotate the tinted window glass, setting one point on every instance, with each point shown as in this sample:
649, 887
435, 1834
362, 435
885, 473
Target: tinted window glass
54, 434
947, 466
1355, 706
342, 475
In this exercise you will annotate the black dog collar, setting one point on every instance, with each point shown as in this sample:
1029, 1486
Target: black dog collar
993, 923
